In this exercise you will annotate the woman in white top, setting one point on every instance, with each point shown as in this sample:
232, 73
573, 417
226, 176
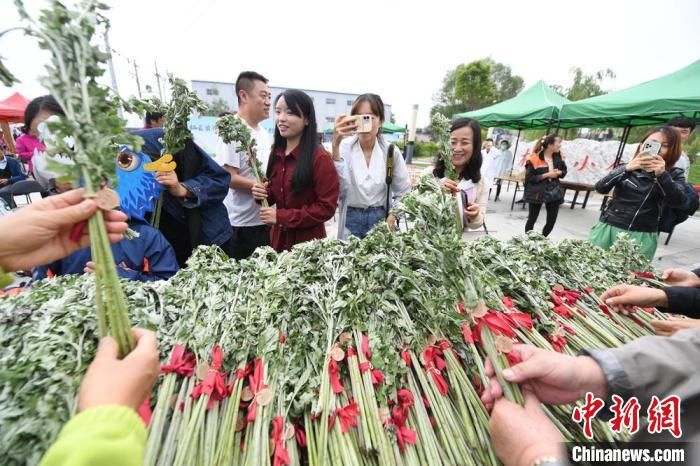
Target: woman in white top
465, 141
361, 161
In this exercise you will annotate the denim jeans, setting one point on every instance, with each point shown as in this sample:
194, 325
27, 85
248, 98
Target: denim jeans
360, 221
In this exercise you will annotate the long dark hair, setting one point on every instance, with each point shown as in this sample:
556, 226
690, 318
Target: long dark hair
38, 104
302, 106
546, 142
472, 171
672, 138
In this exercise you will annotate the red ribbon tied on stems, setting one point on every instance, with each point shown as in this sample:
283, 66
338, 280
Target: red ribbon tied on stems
563, 311
404, 435
76, 232
518, 319
347, 416
214, 383
255, 381
364, 346
498, 324
334, 372
300, 435
643, 274
376, 375
280, 454
181, 363
434, 364
508, 303
145, 412
558, 343
406, 356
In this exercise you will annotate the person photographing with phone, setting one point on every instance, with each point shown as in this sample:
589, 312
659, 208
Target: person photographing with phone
641, 188
372, 173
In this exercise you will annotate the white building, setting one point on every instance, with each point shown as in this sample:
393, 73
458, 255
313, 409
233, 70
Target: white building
328, 104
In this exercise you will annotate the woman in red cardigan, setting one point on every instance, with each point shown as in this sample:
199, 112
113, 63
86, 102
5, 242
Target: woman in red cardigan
303, 184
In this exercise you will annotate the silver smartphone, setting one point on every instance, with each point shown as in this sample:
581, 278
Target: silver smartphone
651, 148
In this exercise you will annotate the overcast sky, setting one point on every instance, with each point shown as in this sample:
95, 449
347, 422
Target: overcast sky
398, 49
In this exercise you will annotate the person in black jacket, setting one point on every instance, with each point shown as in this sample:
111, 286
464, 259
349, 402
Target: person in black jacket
641, 189
543, 170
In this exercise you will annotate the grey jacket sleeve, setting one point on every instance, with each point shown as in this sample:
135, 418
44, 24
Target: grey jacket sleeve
653, 365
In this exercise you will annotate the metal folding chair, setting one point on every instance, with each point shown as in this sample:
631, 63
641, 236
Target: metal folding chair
24, 188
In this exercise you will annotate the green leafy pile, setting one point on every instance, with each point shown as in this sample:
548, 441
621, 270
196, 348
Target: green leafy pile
319, 343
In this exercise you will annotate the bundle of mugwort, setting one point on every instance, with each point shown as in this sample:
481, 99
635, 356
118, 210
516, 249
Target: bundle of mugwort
358, 352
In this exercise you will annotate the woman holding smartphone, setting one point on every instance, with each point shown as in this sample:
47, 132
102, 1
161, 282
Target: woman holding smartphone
303, 184
641, 188
543, 170
465, 142
361, 157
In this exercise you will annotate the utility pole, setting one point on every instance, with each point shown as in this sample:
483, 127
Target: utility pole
110, 64
158, 76
411, 134
136, 75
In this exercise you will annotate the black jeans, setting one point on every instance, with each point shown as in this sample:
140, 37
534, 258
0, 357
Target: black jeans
246, 240
552, 212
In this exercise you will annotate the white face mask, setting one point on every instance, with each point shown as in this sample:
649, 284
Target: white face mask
504, 146
48, 137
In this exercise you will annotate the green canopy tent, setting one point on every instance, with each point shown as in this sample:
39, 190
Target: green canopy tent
390, 128
537, 107
649, 103
534, 108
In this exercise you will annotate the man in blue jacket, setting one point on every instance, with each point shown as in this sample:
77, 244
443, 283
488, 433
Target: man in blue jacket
10, 173
148, 257
193, 211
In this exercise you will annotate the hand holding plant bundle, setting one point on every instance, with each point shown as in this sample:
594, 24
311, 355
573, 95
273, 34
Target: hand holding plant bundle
183, 103
41, 232
232, 129
89, 134
125, 382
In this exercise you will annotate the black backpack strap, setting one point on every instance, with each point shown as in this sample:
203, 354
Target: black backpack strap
389, 177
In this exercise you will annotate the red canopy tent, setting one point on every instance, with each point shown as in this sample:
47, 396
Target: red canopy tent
12, 111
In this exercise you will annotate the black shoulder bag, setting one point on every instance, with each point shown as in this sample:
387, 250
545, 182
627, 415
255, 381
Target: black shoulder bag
389, 177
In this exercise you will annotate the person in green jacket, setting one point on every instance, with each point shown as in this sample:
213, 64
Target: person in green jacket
107, 431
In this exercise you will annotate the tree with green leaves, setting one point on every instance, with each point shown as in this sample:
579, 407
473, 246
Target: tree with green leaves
475, 85
217, 106
585, 85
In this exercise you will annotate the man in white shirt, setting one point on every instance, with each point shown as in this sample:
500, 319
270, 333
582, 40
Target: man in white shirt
685, 127
249, 232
